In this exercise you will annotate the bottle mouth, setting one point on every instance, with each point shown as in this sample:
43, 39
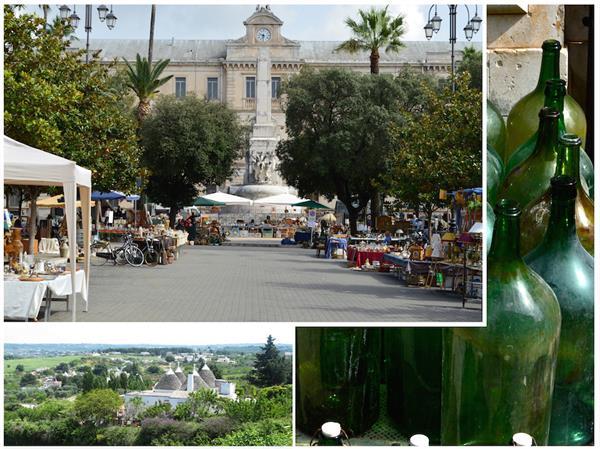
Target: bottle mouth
508, 208
551, 44
564, 187
570, 139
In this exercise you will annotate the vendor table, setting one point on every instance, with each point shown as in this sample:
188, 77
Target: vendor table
360, 257
334, 243
302, 236
355, 240
23, 299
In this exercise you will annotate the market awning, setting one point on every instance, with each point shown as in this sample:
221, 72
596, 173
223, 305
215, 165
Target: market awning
227, 199
310, 204
201, 201
283, 199
110, 195
57, 201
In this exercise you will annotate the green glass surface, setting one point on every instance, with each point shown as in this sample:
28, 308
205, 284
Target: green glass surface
495, 174
489, 227
530, 180
567, 267
338, 378
522, 119
496, 130
554, 97
413, 363
497, 380
534, 220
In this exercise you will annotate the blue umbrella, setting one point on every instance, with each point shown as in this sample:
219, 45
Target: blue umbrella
132, 197
110, 195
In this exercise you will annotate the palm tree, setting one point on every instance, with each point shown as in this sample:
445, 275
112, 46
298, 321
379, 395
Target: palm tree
377, 29
145, 80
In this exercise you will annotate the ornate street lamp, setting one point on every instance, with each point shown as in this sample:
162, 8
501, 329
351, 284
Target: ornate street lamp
74, 19
433, 26
64, 12
102, 10
111, 19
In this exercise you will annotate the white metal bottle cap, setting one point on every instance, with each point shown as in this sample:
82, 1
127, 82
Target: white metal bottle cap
419, 440
331, 429
522, 439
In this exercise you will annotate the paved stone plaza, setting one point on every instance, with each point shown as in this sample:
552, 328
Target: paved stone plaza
260, 284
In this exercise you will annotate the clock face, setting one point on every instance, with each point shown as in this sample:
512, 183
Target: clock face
263, 35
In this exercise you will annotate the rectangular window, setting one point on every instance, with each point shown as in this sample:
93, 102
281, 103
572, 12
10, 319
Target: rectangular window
275, 86
250, 87
212, 88
180, 87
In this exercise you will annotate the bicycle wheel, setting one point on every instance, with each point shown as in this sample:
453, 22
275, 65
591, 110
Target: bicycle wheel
120, 258
134, 256
151, 257
99, 253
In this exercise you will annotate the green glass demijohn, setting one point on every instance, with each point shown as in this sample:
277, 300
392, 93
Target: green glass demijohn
554, 98
337, 378
496, 130
534, 219
530, 180
522, 123
495, 174
497, 380
569, 270
489, 226
413, 359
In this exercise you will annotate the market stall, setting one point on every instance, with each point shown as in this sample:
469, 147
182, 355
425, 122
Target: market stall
25, 165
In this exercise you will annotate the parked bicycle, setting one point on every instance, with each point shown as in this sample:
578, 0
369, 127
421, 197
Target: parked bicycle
128, 252
151, 255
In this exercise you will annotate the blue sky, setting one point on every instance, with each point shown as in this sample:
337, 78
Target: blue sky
301, 22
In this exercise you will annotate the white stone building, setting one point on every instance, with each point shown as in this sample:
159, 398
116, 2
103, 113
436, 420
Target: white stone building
246, 74
174, 387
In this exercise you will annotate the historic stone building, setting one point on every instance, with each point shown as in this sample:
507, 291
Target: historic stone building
246, 74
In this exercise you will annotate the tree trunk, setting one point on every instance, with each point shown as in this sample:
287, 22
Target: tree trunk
375, 209
375, 62
142, 112
353, 218
151, 39
429, 211
172, 215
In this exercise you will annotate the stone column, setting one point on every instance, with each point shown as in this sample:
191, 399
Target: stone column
263, 86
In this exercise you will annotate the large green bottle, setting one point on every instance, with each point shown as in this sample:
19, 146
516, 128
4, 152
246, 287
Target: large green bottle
495, 174
497, 380
534, 219
567, 267
530, 180
522, 123
338, 377
413, 358
496, 130
554, 97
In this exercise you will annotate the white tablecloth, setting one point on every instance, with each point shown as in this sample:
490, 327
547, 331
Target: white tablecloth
24, 299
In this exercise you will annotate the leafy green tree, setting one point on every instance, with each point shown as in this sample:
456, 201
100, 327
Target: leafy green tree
87, 382
144, 81
19, 368
55, 102
264, 433
118, 436
269, 366
216, 369
471, 63
124, 381
98, 407
200, 404
169, 358
188, 142
28, 379
439, 148
100, 370
376, 29
135, 407
153, 369
338, 124
160, 410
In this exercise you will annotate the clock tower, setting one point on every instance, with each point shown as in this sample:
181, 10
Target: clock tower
263, 27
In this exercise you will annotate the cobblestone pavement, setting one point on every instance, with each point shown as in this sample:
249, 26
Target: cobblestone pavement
260, 284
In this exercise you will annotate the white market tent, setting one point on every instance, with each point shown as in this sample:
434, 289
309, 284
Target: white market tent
26, 165
228, 199
283, 199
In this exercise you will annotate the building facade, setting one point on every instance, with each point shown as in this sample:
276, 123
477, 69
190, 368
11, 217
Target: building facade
246, 74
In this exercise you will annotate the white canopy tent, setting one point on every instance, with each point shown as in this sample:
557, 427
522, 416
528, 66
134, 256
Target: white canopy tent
26, 165
283, 199
228, 199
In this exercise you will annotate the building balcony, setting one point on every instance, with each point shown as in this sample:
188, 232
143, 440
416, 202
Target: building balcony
248, 104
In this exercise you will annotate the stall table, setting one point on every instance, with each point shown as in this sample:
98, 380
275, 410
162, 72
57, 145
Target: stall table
23, 299
359, 257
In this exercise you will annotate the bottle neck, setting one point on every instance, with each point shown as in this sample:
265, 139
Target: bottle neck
506, 241
561, 226
548, 135
549, 69
567, 162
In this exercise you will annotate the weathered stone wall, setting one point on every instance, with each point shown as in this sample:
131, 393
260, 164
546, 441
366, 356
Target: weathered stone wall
514, 38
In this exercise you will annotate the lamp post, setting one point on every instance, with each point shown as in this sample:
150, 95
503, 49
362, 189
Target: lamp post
433, 26
103, 14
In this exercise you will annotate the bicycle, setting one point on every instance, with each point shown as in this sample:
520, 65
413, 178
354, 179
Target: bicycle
128, 252
151, 256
